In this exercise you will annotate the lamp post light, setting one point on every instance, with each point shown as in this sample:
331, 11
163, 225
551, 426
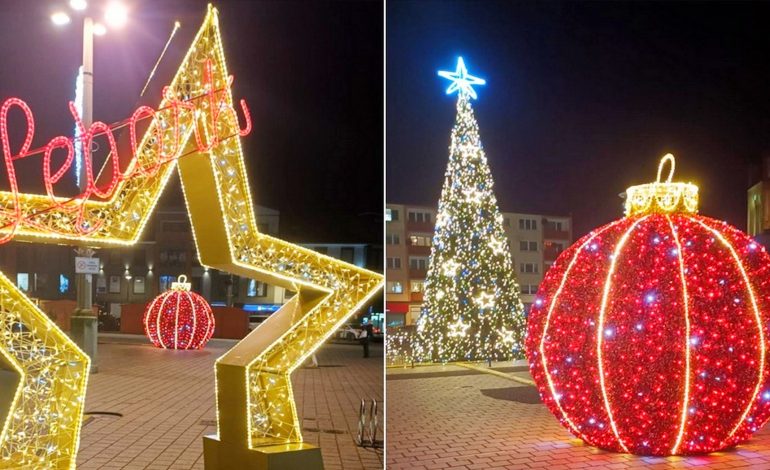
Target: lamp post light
84, 323
115, 16
128, 277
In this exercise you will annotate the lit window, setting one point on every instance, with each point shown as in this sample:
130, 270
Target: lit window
165, 282
22, 281
420, 240
395, 287
64, 284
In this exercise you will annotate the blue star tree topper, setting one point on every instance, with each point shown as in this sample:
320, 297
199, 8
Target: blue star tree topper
462, 82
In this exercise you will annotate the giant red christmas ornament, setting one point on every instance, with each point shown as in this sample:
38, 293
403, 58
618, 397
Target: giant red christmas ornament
648, 335
179, 319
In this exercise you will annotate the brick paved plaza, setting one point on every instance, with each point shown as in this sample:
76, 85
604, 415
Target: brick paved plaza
453, 417
167, 402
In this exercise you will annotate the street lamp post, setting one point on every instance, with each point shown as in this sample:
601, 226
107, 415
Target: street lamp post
88, 87
84, 323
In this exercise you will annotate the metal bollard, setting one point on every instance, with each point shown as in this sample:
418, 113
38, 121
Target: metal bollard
367, 424
361, 423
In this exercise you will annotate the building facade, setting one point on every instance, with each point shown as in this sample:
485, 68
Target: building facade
535, 241
758, 209
137, 274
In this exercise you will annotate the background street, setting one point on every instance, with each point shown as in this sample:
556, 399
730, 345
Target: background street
459, 418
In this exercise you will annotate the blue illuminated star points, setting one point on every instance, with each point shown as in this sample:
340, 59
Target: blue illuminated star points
461, 81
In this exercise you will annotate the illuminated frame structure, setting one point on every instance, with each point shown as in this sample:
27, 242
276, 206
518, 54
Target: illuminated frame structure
255, 406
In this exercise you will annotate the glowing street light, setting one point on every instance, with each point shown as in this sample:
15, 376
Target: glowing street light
78, 4
116, 15
60, 18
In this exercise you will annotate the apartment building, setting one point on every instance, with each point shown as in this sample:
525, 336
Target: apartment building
535, 241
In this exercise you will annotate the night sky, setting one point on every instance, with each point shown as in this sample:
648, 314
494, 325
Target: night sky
311, 73
582, 99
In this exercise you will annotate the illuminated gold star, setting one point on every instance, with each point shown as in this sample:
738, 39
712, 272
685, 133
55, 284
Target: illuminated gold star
485, 300
450, 268
255, 405
506, 336
498, 246
473, 195
458, 328
41, 424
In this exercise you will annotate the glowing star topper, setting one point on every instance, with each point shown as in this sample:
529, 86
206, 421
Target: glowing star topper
462, 82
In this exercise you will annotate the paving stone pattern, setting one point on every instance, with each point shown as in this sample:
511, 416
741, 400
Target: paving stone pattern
167, 402
443, 417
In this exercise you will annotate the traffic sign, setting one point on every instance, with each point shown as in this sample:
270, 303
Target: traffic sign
85, 265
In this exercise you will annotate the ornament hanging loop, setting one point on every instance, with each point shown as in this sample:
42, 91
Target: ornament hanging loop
662, 197
181, 283
666, 158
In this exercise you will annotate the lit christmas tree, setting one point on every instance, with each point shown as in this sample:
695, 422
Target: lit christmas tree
472, 309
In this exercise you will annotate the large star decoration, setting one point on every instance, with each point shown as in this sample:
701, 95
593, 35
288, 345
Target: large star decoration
450, 268
462, 81
485, 300
473, 195
497, 245
506, 335
255, 405
48, 373
458, 328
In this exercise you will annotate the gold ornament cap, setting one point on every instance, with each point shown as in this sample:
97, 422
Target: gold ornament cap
663, 197
181, 283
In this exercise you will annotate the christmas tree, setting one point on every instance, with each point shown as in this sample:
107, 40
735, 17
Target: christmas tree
472, 309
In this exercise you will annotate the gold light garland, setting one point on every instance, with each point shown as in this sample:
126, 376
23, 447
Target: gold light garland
255, 406
662, 196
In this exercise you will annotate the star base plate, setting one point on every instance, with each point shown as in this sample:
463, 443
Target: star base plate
218, 455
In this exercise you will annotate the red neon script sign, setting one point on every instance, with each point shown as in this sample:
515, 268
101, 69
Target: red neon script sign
217, 106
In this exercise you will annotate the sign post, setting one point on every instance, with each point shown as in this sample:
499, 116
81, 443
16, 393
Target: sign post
87, 265
83, 323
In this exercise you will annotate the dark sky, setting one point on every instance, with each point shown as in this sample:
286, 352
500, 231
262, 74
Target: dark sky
582, 100
311, 73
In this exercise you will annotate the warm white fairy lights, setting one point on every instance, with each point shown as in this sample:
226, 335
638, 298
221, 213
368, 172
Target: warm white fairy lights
42, 427
196, 130
458, 329
471, 294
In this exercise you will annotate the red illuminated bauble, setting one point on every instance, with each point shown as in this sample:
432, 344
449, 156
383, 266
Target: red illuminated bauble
648, 335
179, 319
